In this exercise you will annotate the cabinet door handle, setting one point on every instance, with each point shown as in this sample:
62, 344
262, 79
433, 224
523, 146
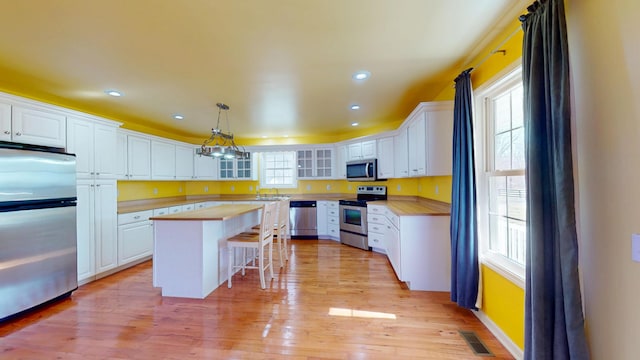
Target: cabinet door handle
137, 217
18, 133
7, 132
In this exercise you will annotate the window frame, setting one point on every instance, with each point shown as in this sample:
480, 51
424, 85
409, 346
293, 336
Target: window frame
483, 144
264, 168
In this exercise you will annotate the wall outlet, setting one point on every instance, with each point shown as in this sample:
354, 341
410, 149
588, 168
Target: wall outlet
308, 187
206, 189
350, 187
233, 188
399, 188
155, 191
250, 188
328, 187
180, 189
437, 189
419, 188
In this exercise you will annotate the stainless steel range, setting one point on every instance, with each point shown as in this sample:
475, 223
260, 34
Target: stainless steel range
353, 216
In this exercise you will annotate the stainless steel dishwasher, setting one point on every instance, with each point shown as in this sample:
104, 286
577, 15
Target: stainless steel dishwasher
304, 220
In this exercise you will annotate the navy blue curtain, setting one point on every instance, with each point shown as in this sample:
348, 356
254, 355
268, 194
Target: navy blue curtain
554, 323
464, 225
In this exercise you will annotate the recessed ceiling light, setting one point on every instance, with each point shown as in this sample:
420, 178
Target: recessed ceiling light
178, 117
113, 93
354, 124
361, 75
355, 107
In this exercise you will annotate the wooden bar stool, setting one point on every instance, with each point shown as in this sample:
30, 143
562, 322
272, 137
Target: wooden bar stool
281, 230
259, 241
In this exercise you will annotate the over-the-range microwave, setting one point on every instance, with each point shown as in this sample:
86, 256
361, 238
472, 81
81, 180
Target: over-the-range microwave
362, 170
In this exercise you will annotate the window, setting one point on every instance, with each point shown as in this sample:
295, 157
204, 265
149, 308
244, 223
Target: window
501, 174
278, 170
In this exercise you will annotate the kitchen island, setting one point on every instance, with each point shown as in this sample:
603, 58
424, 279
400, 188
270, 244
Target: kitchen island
190, 248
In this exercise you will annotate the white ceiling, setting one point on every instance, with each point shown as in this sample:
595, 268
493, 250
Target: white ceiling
283, 66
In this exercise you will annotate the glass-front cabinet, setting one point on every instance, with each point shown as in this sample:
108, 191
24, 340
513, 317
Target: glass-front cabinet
237, 169
315, 163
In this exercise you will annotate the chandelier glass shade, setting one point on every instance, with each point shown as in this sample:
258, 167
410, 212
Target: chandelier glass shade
221, 144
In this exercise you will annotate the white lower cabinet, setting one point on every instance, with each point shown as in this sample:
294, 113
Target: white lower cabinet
135, 236
321, 220
418, 247
96, 227
333, 220
377, 227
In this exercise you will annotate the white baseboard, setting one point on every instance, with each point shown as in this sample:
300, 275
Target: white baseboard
500, 335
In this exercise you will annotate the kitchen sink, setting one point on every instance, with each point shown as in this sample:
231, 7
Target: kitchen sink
272, 197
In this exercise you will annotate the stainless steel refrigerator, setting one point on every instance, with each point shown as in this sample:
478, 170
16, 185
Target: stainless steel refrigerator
38, 246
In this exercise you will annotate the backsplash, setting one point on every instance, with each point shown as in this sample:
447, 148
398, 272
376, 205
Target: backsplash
437, 187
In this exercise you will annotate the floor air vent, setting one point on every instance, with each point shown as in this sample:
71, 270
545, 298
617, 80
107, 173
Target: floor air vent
478, 347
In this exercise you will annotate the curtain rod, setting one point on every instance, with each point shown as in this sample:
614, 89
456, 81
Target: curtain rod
497, 48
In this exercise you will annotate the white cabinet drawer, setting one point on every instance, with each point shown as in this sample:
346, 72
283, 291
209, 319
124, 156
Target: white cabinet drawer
377, 228
202, 205
333, 205
376, 240
376, 219
334, 231
188, 207
160, 211
376, 209
175, 209
134, 217
333, 220
332, 212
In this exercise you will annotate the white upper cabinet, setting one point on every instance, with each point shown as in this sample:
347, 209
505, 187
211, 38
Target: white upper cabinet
401, 154
341, 162
440, 142
40, 126
305, 163
94, 144
138, 158
385, 158
205, 167
32, 124
163, 160
184, 162
417, 145
429, 140
315, 163
361, 150
5, 122
238, 169
171, 161
122, 170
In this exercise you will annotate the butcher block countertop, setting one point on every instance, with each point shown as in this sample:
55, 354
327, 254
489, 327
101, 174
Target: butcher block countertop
416, 207
222, 212
400, 205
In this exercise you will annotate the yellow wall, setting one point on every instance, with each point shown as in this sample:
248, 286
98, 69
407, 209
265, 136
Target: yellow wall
503, 303
137, 190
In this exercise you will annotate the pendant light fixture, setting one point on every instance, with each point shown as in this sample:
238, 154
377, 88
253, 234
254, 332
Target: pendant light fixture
221, 144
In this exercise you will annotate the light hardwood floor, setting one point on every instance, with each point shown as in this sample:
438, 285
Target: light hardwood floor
330, 302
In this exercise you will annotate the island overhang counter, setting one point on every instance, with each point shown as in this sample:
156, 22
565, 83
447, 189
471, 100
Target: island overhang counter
190, 248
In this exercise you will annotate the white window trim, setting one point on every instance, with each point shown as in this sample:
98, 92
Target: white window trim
510, 270
263, 177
